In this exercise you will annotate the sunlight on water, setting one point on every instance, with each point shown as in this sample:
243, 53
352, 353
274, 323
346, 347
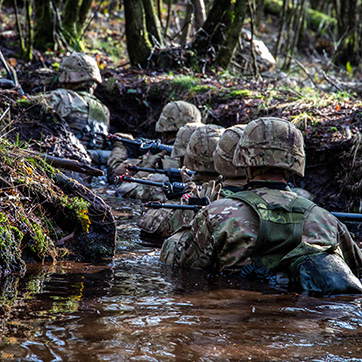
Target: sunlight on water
132, 308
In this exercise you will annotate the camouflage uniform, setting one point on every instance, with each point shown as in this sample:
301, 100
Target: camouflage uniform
267, 228
203, 141
87, 117
174, 116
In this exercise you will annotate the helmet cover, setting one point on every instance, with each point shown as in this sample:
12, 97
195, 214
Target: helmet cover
224, 152
79, 68
175, 115
182, 138
271, 142
201, 147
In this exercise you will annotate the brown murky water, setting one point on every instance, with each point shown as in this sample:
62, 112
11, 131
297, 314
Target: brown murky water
132, 308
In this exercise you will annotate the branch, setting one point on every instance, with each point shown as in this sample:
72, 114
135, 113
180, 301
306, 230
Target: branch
71, 165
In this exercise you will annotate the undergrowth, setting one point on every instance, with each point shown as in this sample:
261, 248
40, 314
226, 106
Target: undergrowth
35, 213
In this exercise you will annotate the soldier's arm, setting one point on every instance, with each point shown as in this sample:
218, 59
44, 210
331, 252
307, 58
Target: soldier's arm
351, 252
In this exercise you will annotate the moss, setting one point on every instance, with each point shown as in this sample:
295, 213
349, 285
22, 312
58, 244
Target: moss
185, 82
79, 208
240, 93
10, 247
203, 88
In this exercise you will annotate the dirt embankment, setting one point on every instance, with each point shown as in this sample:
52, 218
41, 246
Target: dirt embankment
45, 214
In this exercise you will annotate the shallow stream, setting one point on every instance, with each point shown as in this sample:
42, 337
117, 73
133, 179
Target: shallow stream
132, 308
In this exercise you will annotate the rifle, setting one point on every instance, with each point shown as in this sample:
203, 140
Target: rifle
12, 76
194, 203
171, 189
342, 216
174, 174
143, 145
348, 216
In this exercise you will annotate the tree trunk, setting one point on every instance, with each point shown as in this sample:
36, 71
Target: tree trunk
43, 25
203, 40
70, 18
30, 30
349, 32
186, 25
153, 23
138, 44
227, 49
84, 12
75, 16
199, 12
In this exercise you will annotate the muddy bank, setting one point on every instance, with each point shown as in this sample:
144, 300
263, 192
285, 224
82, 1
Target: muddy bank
45, 215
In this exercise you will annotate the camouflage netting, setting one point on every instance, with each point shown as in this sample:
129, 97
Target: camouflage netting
45, 215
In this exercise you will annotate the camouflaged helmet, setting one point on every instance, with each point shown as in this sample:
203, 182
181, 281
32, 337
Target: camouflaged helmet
79, 68
182, 138
175, 115
224, 152
271, 142
201, 147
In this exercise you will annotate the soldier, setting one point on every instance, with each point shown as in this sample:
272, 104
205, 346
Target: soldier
173, 116
267, 230
163, 222
198, 157
87, 117
234, 178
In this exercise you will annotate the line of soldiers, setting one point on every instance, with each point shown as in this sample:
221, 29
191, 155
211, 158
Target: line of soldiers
255, 225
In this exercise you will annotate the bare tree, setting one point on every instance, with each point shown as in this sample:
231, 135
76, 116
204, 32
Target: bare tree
138, 44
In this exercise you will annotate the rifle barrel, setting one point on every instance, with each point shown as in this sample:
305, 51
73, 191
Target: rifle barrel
145, 169
346, 216
159, 205
126, 178
144, 145
113, 137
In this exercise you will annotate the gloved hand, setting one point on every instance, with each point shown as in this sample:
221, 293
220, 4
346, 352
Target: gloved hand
168, 162
210, 190
184, 176
150, 160
189, 191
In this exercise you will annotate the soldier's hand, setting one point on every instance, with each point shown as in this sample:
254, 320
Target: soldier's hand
189, 191
184, 176
210, 190
150, 160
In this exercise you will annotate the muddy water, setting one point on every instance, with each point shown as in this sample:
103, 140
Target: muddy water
131, 308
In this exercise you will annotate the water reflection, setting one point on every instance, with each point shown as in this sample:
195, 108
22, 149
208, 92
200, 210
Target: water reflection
132, 308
